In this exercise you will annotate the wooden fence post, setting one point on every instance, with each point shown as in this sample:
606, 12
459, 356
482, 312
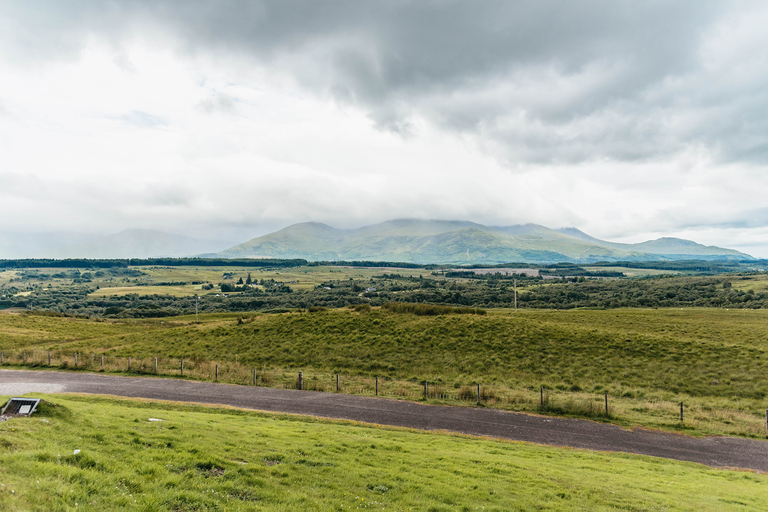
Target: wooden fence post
102, 360
337, 382
681, 411
49, 358
541, 396
217, 372
155, 364
606, 403
377, 385
75, 359
478, 393
254, 376
182, 366
301, 381
129, 363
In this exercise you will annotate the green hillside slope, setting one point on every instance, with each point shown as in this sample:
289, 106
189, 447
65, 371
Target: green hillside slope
461, 242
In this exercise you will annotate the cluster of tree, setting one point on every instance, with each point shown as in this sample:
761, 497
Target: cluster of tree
713, 266
77, 273
490, 292
137, 262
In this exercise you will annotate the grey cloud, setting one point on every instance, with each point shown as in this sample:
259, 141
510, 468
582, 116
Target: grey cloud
534, 81
164, 195
746, 219
141, 119
220, 102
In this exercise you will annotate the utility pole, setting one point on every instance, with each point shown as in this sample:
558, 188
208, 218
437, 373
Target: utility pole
515, 295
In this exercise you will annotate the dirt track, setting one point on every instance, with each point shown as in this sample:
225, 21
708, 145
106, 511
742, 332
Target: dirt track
713, 451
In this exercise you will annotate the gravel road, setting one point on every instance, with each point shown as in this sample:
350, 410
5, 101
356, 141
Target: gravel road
712, 451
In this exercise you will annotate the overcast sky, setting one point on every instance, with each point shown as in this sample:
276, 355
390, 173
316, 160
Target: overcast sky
628, 120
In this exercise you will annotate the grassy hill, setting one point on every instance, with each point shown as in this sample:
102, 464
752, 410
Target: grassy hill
461, 242
105, 454
647, 360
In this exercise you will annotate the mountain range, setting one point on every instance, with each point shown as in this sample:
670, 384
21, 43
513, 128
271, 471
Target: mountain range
463, 242
405, 240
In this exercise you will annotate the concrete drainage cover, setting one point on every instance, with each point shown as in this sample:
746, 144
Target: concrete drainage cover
20, 406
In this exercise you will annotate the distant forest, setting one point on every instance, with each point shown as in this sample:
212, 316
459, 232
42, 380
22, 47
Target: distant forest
694, 266
479, 291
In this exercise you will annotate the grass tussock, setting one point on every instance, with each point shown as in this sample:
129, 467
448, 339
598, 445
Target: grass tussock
430, 309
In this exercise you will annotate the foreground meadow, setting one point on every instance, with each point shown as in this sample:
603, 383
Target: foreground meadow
106, 454
646, 360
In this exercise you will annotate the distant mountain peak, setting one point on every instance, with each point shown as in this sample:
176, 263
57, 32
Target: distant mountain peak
462, 242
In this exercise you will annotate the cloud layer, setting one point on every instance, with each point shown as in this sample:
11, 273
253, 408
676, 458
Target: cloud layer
628, 120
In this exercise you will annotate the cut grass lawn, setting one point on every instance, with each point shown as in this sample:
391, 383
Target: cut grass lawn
200, 458
647, 360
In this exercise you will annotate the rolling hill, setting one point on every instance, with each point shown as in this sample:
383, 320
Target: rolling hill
462, 242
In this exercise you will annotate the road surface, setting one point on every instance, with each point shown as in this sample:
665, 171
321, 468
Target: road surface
712, 451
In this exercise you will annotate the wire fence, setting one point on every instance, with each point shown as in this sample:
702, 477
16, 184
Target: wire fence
546, 400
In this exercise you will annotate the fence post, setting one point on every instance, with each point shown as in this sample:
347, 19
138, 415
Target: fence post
49, 358
254, 376
766, 419
102, 359
681, 411
301, 381
478, 393
24, 356
425, 388
541, 396
217, 371
182, 366
75, 359
377, 385
337, 385
155, 364
606, 403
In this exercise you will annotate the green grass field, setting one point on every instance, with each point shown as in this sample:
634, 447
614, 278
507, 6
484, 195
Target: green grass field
200, 458
646, 360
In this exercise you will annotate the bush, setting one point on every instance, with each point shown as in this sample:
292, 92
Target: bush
430, 309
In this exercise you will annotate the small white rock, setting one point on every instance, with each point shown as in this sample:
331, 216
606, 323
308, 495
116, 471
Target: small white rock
75, 452
155, 419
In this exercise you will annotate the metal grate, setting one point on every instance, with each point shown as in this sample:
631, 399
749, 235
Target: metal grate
20, 406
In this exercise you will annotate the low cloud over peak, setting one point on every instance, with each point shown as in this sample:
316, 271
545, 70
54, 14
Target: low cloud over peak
303, 101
